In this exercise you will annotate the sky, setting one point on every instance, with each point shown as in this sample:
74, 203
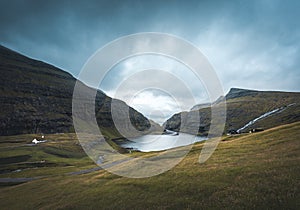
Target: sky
250, 44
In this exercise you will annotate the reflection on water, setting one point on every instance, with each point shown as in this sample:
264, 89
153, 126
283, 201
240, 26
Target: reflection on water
150, 143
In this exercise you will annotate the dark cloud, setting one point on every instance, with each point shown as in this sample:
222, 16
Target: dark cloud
241, 38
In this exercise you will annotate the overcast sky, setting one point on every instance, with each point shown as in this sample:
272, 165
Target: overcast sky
251, 44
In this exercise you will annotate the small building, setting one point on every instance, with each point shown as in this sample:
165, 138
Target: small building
35, 141
232, 132
255, 130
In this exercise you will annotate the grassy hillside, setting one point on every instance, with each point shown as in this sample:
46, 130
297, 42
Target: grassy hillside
241, 110
245, 105
259, 170
36, 97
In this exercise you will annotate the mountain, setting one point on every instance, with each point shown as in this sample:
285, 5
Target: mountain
200, 106
36, 97
256, 109
238, 93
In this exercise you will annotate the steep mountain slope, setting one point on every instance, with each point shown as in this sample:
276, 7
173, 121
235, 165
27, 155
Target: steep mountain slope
36, 97
244, 106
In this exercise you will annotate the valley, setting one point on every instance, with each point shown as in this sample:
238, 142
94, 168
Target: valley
247, 170
257, 170
149, 105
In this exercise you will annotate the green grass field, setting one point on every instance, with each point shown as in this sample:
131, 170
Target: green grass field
259, 170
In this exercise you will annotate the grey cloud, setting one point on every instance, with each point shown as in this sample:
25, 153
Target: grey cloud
242, 39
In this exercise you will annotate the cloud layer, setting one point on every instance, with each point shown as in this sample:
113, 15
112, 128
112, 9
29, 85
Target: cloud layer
251, 44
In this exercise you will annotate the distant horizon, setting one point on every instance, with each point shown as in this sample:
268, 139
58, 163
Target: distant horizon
139, 108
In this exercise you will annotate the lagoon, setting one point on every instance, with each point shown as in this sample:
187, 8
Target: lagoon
150, 143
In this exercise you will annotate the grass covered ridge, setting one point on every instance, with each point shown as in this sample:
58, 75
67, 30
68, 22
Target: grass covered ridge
258, 170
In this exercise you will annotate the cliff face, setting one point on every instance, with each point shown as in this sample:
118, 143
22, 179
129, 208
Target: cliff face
36, 97
244, 106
